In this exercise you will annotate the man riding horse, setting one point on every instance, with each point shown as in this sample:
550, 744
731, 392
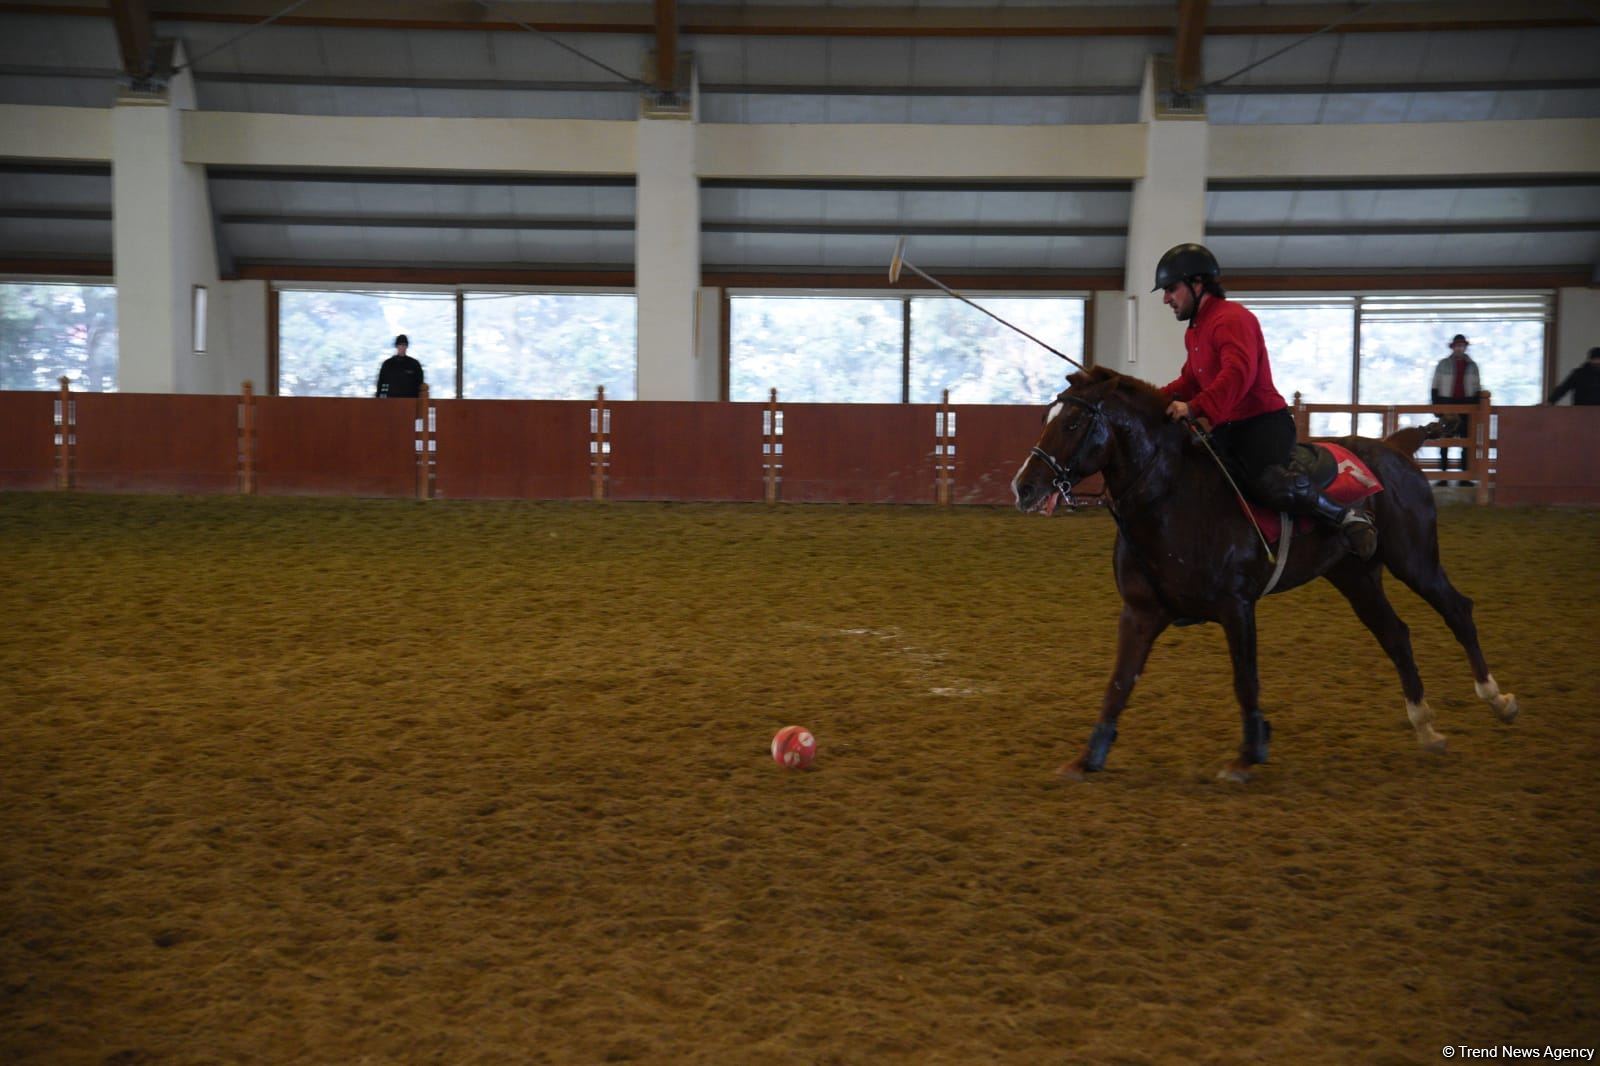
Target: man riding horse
1227, 381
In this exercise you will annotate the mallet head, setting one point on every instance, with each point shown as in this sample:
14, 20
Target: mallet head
897, 261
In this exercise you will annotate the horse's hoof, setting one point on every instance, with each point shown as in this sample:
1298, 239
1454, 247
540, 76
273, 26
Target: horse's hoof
1235, 773
1506, 709
1434, 745
1072, 771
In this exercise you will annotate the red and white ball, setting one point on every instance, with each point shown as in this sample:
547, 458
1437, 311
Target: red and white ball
794, 747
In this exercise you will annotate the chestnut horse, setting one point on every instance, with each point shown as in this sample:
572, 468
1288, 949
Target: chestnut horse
1185, 550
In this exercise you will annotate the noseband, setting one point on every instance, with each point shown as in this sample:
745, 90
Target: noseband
1062, 481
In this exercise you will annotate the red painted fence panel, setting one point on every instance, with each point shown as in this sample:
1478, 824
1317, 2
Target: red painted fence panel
858, 453
513, 449
150, 442
687, 451
992, 441
1546, 455
28, 440
323, 445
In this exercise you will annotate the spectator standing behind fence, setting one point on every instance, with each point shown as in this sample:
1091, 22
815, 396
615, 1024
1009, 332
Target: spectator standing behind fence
400, 375
1455, 380
1583, 383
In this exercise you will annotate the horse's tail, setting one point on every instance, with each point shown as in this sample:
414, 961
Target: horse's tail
1407, 441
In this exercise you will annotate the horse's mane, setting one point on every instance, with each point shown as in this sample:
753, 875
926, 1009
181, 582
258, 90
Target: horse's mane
1146, 398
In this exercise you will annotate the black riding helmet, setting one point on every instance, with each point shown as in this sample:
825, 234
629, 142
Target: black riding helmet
1183, 262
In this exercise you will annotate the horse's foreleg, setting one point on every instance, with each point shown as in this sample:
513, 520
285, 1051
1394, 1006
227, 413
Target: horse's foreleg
1137, 630
1363, 587
1240, 625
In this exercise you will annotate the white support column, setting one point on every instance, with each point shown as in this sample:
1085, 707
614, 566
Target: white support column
162, 242
1169, 207
667, 260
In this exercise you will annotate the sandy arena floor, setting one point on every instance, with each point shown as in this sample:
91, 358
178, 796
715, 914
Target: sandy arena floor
300, 781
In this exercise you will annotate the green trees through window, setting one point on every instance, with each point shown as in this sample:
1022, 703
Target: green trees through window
851, 349
332, 343
50, 330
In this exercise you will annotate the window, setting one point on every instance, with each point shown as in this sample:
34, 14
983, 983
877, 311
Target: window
1403, 337
853, 349
1310, 340
52, 330
332, 343
816, 349
550, 346
956, 347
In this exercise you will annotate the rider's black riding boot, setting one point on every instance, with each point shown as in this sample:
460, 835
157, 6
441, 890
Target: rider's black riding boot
1360, 535
1291, 491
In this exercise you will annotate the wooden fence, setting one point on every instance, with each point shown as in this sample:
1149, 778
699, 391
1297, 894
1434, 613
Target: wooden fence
941, 454
514, 449
1480, 446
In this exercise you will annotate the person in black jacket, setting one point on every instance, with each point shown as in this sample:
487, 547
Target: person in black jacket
1583, 383
400, 375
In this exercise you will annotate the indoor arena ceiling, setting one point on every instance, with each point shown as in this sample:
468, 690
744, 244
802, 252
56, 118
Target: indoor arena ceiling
838, 62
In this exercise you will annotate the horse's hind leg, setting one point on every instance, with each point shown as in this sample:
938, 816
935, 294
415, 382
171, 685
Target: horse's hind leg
1424, 575
1362, 585
1239, 622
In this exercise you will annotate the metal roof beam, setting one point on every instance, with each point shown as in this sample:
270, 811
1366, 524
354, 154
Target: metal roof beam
1191, 34
882, 21
666, 79
135, 39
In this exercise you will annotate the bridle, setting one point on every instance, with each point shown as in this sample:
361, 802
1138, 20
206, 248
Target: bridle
1062, 474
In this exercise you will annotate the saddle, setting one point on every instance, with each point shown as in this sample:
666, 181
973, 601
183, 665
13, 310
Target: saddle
1316, 463
1335, 471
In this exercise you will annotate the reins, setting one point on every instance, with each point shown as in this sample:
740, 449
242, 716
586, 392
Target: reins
1205, 439
1061, 475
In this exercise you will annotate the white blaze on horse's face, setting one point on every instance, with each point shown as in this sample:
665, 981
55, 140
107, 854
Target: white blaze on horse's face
1050, 416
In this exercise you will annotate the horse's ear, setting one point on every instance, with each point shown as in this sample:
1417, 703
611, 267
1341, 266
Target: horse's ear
1079, 378
1102, 373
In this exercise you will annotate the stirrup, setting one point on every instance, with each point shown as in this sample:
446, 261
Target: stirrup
1360, 533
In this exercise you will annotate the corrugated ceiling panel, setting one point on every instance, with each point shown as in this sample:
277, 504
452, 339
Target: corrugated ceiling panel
21, 189
54, 238
43, 91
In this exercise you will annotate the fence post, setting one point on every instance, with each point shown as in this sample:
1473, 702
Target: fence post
945, 467
247, 440
1480, 450
769, 462
598, 444
424, 458
64, 441
1302, 418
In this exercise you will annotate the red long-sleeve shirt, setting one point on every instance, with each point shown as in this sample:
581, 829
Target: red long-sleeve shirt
1227, 376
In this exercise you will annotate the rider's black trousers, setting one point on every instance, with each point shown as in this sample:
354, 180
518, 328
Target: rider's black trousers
1257, 451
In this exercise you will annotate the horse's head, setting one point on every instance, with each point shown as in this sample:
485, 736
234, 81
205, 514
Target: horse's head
1075, 443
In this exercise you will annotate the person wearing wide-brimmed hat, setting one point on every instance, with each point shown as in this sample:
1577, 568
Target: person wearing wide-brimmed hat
1455, 380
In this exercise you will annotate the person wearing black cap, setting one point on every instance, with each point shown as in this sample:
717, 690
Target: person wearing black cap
1583, 383
1455, 380
400, 375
